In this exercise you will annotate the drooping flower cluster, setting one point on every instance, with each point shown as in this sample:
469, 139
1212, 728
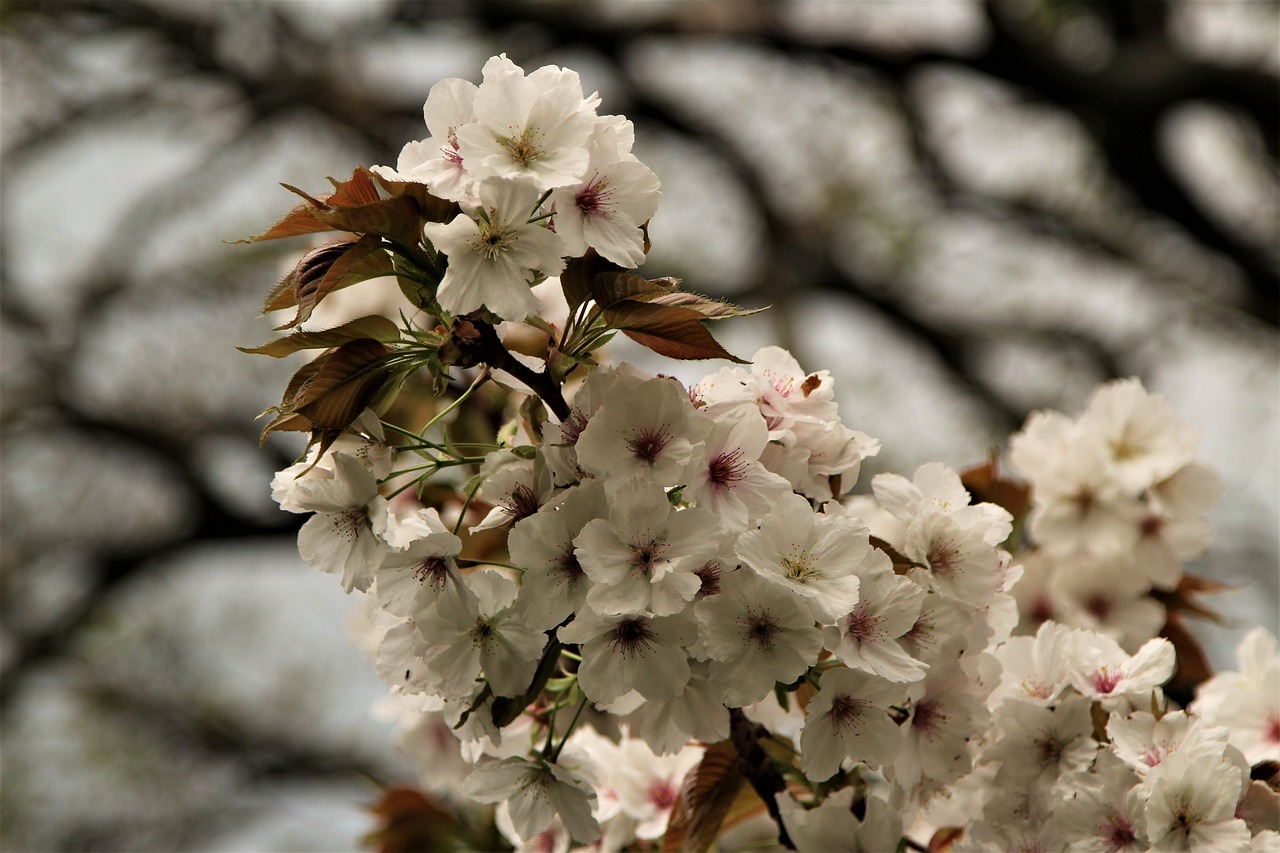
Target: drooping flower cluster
652, 613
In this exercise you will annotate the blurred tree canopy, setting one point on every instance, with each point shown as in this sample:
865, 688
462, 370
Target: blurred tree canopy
966, 209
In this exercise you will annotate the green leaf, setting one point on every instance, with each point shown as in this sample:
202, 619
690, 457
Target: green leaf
375, 327
672, 331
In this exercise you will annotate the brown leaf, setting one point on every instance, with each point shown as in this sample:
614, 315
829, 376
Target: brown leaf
374, 326
300, 220
411, 822
396, 218
430, 208
305, 275
610, 287
344, 385
901, 564
667, 330
578, 274
986, 485
712, 309
944, 838
1192, 663
356, 191
1183, 598
359, 261
708, 796
286, 420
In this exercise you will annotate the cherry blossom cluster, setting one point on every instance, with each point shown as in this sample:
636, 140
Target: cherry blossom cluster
687, 545
1085, 753
648, 613
518, 153
1119, 505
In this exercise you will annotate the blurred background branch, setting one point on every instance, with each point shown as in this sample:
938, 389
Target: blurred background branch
966, 210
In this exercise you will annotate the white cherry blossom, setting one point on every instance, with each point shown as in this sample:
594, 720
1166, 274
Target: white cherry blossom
494, 255
849, 719
810, 554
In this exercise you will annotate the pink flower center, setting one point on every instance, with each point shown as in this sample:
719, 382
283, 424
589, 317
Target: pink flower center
1098, 605
1272, 728
728, 469
662, 794
647, 443
593, 199
929, 719
862, 625
1104, 681
943, 557
573, 427
644, 554
1118, 833
1041, 610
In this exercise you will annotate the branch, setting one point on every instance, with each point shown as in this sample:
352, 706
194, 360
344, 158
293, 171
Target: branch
759, 769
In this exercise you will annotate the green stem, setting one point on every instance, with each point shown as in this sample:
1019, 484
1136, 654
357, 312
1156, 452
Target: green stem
565, 739
462, 514
479, 380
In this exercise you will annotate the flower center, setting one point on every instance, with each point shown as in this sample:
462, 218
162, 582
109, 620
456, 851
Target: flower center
573, 426
645, 553
569, 567
521, 503
862, 625
846, 711
929, 719
1104, 681
710, 577
432, 572
631, 637
1118, 832
492, 243
593, 199
347, 525
760, 628
662, 794
800, 567
943, 557
646, 444
523, 149
728, 469
1048, 749
1098, 605
481, 632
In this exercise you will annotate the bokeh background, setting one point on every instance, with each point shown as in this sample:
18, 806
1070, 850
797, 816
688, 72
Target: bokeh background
966, 210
